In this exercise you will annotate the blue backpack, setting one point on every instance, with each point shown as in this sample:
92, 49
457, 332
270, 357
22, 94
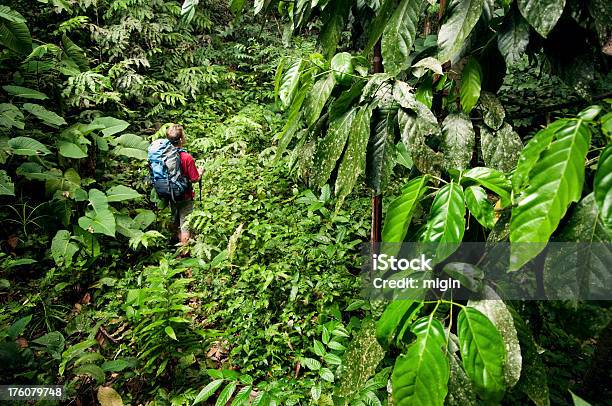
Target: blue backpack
165, 164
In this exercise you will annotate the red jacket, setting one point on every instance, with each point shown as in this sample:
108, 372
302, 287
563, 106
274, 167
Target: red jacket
189, 170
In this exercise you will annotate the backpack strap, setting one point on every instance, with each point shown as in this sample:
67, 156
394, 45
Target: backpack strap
189, 185
179, 150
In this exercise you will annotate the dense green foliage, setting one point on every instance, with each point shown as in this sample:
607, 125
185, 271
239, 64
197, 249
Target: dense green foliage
491, 122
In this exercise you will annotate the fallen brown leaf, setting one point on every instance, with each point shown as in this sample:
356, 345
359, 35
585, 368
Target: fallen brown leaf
22, 342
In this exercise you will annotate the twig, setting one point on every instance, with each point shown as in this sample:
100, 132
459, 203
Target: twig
107, 335
297, 370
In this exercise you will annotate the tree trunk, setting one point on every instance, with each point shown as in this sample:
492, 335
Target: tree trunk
376, 232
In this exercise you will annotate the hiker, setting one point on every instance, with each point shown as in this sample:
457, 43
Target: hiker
173, 171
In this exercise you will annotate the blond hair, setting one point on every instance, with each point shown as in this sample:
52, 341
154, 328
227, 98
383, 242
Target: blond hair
174, 133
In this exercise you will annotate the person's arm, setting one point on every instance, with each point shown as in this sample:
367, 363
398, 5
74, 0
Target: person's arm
193, 174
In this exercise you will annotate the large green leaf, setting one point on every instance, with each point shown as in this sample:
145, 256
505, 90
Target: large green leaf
541, 14
589, 113
4, 148
317, 98
420, 375
416, 123
27, 146
53, 343
381, 150
99, 219
226, 394
242, 397
534, 381
427, 64
290, 82
491, 179
378, 82
301, 13
59, 5
531, 154
334, 18
75, 351
71, 149
402, 93
493, 112
446, 222
554, 183
580, 270
188, 10
303, 155
42, 50
402, 156
69, 181
470, 276
342, 104
331, 146
460, 388
75, 53
131, 146
462, 17
46, 116
479, 205
144, 219
73, 143
278, 77
353, 161
91, 370
578, 401
495, 309
7, 187
15, 35
24, 92
513, 37
11, 116
9, 14
342, 67
396, 314
81, 130
120, 193
602, 186
470, 85
458, 141
429, 328
399, 34
378, 25
259, 5
424, 92
400, 211
62, 249
483, 353
360, 360
501, 149
88, 240
207, 391
98, 200
293, 121
16, 329
110, 125
125, 226
601, 11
